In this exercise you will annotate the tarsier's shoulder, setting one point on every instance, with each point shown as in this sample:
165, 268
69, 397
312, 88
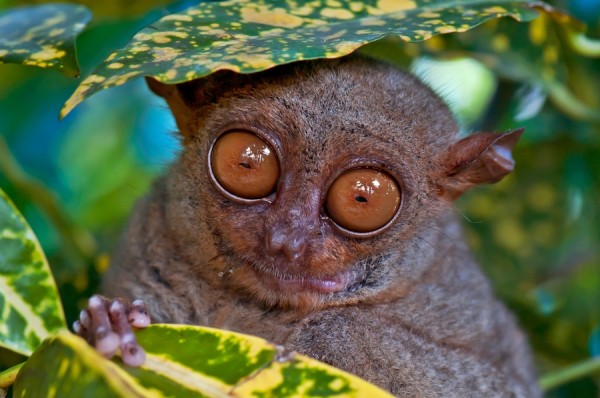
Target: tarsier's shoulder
451, 355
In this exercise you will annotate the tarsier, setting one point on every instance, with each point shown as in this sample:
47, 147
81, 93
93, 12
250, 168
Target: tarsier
311, 205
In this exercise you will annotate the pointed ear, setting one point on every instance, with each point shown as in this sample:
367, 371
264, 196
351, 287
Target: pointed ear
179, 97
478, 159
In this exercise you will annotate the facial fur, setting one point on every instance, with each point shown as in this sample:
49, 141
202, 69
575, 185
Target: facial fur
319, 118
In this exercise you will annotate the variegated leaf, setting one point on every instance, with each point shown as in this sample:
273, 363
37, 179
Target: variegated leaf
249, 35
43, 36
531, 53
185, 361
30, 308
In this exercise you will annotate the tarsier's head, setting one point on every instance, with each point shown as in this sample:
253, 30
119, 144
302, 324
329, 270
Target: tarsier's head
308, 184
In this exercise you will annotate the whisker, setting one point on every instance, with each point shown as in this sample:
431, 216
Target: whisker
444, 234
462, 214
430, 244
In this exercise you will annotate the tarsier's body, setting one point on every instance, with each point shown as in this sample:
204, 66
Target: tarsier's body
405, 307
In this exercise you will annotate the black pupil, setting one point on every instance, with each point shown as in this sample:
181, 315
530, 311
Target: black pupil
245, 165
361, 199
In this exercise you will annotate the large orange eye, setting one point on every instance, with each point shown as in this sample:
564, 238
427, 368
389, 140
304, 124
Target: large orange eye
363, 200
245, 165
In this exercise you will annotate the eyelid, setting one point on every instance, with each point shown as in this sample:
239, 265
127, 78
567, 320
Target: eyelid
252, 128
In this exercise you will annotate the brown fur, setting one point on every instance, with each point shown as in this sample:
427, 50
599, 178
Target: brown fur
417, 318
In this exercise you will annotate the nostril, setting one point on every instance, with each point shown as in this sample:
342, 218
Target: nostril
297, 244
274, 242
291, 244
294, 248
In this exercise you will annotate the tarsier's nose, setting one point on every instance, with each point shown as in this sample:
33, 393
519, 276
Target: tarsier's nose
284, 240
293, 219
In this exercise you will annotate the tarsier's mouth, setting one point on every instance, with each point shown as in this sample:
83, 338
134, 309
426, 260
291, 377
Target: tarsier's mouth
326, 284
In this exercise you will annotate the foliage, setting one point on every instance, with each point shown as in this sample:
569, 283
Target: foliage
536, 233
184, 361
42, 36
249, 36
29, 303
107, 9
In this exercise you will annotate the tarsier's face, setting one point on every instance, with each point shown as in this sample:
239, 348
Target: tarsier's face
315, 180
312, 223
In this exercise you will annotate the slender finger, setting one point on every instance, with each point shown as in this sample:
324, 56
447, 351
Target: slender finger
106, 341
78, 329
131, 352
84, 319
138, 315
81, 327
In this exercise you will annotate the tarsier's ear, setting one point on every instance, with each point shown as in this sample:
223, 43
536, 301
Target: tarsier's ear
179, 100
477, 159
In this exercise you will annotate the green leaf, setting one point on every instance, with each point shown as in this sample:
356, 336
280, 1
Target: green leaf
249, 36
185, 361
30, 308
110, 9
43, 36
7, 377
575, 32
66, 366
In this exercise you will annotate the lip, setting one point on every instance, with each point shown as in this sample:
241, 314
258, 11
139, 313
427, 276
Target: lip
324, 285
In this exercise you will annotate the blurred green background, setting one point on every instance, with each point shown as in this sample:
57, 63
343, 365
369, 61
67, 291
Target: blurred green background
537, 233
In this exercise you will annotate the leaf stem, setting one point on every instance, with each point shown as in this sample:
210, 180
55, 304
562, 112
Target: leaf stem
7, 378
568, 103
583, 44
573, 372
80, 239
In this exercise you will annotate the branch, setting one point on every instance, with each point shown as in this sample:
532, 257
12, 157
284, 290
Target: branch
581, 369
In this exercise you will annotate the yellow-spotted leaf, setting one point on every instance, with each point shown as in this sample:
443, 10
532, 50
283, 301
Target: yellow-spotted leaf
66, 366
43, 36
30, 308
252, 35
531, 53
185, 361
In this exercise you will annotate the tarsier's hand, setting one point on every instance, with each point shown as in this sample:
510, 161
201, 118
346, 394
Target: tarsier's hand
107, 325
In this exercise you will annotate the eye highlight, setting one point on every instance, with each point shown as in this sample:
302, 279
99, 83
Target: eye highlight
363, 200
244, 165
